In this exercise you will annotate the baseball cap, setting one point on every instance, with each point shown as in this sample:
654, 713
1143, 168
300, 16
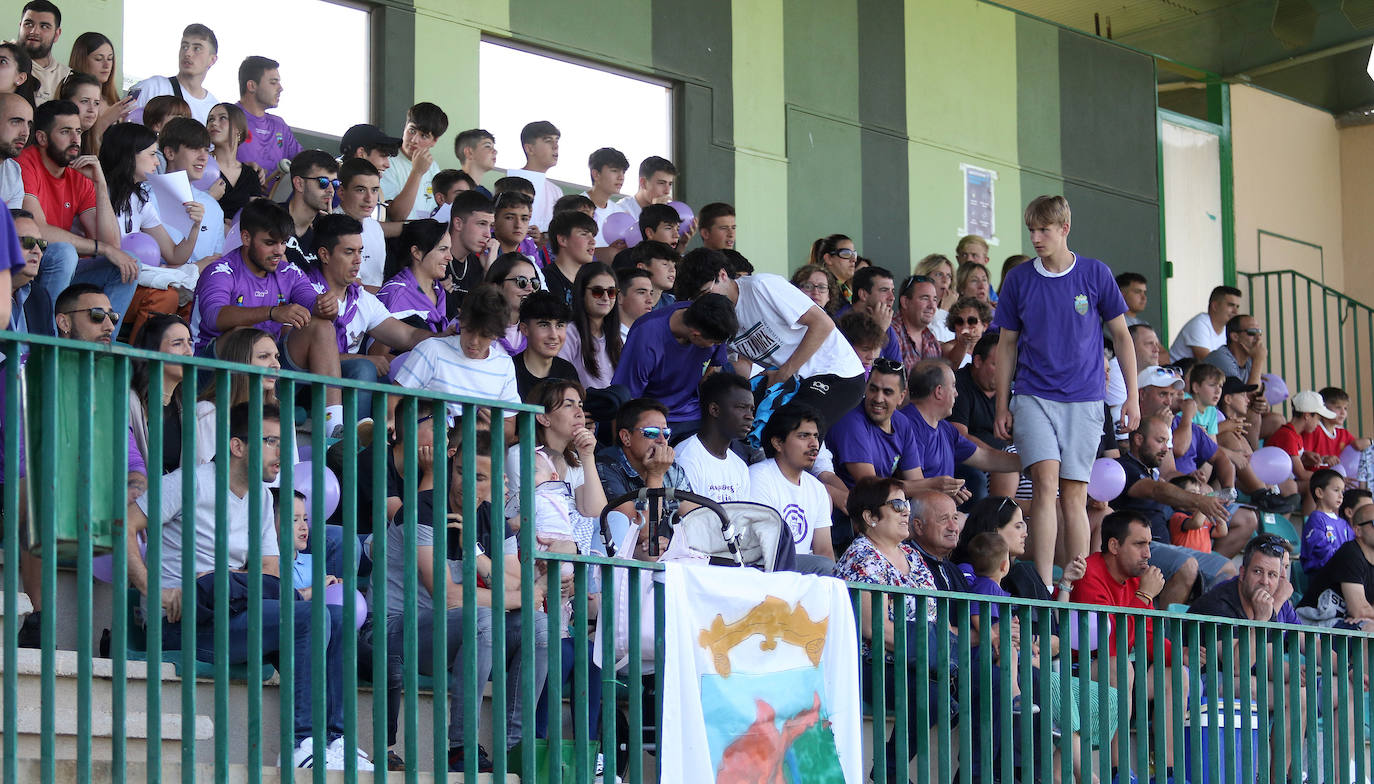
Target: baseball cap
1234, 385
366, 136
1310, 402
1156, 376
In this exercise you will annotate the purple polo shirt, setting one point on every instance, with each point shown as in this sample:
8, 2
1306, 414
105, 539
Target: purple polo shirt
941, 446
1199, 451
230, 281
403, 297
855, 439
1059, 319
653, 364
269, 141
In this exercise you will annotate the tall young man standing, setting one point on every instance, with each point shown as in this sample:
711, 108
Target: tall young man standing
540, 143
476, 152
270, 140
199, 51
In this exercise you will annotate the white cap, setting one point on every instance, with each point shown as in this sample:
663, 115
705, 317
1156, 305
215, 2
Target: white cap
1156, 376
1310, 402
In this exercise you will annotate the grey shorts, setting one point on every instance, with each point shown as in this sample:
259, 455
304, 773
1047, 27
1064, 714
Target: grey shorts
1049, 430
1169, 558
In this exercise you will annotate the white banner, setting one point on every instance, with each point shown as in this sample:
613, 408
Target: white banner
773, 660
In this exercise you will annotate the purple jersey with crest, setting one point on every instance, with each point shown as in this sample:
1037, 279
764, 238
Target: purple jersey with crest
230, 281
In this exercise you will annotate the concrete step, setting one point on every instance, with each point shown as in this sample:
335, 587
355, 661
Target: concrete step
65, 733
102, 772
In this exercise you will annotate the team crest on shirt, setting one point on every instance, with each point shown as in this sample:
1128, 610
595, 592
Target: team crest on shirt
795, 518
1080, 304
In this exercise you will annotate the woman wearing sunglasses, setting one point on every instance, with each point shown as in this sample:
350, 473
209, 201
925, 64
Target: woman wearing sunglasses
968, 320
880, 513
517, 279
593, 343
836, 253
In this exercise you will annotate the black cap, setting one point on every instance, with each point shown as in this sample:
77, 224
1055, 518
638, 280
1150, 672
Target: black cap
1234, 385
365, 136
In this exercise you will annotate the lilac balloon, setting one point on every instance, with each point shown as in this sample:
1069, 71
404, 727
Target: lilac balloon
616, 224
1340, 469
685, 214
1107, 479
1350, 460
142, 247
632, 235
1271, 464
302, 479
333, 594
209, 177
1275, 390
102, 566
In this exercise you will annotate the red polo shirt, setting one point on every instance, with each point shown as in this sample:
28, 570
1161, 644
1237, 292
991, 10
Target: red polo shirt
63, 198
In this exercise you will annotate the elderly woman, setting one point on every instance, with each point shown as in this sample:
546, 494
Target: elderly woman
880, 513
968, 319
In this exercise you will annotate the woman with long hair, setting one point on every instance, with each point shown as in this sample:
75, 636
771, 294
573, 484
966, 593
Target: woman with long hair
238, 184
168, 334
93, 53
246, 346
517, 279
414, 293
128, 155
16, 71
837, 254
593, 343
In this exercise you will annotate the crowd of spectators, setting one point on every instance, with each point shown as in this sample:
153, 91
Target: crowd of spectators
918, 429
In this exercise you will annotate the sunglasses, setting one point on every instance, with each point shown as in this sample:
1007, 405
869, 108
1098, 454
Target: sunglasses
655, 433
971, 321
846, 253
523, 282
1271, 545
599, 292
98, 315
900, 505
885, 365
29, 243
324, 182
1254, 332
911, 282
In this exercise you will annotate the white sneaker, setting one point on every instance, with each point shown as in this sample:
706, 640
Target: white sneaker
600, 776
334, 756
304, 754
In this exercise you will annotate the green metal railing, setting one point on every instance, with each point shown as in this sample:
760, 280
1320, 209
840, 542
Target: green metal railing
1309, 683
1317, 336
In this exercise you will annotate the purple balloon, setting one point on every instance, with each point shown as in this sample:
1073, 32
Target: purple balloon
1275, 390
1271, 464
632, 235
142, 247
1350, 460
685, 214
616, 224
102, 566
209, 177
302, 478
333, 594
1340, 469
1107, 480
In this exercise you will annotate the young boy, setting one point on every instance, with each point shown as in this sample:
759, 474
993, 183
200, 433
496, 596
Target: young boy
865, 335
1051, 315
539, 140
544, 323
636, 296
660, 223
717, 221
360, 190
608, 166
1330, 437
660, 260
407, 184
1197, 530
512, 221
1204, 389
302, 566
572, 239
990, 561
447, 184
1324, 531
656, 178
475, 150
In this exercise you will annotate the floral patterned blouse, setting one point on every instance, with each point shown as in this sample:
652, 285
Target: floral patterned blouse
862, 563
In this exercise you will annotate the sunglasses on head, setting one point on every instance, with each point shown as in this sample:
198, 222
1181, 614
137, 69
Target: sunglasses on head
655, 433
97, 315
523, 282
324, 182
29, 243
598, 292
1271, 545
911, 282
885, 365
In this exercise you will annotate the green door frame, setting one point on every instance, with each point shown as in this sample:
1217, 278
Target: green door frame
1218, 123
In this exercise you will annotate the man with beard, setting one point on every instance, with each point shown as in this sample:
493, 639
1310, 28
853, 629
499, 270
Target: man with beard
62, 189
39, 28
727, 413
792, 441
270, 140
1154, 502
15, 118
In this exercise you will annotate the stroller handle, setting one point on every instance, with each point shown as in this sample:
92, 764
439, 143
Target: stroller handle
658, 493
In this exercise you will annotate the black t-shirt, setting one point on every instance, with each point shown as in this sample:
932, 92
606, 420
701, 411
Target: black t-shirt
1153, 511
1348, 565
1222, 601
558, 284
975, 410
464, 275
364, 487
1024, 582
424, 515
525, 380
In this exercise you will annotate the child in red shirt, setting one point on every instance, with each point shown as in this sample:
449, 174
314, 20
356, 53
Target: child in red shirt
1194, 531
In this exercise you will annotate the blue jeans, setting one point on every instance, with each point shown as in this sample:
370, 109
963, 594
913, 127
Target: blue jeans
301, 682
360, 370
101, 272
54, 274
569, 661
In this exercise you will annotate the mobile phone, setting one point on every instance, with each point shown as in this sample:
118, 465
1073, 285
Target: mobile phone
135, 91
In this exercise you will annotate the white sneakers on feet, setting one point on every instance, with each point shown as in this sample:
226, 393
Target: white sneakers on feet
304, 755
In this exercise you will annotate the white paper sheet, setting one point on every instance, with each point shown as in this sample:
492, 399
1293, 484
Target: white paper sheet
172, 190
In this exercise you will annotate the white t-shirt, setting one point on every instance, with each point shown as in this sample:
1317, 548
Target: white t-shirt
630, 206
137, 216
546, 194
173, 515
154, 86
599, 214
11, 184
438, 364
769, 331
939, 328
394, 178
374, 253
211, 239
718, 480
804, 506
1197, 332
368, 313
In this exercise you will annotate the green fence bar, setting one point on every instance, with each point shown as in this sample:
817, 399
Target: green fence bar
10, 762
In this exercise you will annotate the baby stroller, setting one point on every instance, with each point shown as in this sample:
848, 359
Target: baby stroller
735, 533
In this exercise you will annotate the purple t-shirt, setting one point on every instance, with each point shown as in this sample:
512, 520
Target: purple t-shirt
983, 586
1199, 451
403, 297
653, 364
1059, 318
941, 446
269, 141
1322, 536
230, 281
855, 439
11, 253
